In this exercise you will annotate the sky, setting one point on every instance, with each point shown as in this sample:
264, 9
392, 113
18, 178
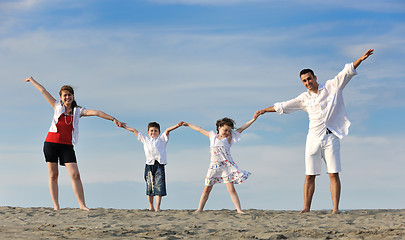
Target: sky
198, 61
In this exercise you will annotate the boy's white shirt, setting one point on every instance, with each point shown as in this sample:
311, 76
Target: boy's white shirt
155, 148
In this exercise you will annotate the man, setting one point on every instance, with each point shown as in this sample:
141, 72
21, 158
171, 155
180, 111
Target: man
328, 123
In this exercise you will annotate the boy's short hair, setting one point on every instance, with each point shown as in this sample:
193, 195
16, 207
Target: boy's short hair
154, 124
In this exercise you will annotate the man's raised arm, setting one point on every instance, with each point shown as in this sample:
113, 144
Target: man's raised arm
362, 58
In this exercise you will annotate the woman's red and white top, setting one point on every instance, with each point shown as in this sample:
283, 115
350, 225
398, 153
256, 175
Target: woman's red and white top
64, 132
59, 111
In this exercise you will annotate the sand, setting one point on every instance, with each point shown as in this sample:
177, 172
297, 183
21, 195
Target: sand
45, 223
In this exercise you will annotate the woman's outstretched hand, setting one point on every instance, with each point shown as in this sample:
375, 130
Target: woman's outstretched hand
29, 79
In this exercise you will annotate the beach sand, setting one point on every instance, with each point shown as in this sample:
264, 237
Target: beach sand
45, 223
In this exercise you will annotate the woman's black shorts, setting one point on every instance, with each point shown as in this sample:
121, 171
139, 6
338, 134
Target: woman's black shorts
63, 152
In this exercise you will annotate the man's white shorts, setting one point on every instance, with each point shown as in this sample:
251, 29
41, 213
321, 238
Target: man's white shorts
327, 149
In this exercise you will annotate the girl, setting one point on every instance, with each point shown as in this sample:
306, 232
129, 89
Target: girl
61, 137
222, 167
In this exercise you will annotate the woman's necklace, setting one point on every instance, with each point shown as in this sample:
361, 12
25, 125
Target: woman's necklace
71, 119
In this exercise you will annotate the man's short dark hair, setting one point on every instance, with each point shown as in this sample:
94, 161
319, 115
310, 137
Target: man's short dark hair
305, 71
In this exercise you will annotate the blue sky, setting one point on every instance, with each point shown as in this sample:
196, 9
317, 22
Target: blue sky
198, 61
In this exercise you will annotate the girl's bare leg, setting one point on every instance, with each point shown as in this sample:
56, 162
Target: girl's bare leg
234, 196
53, 173
204, 198
77, 185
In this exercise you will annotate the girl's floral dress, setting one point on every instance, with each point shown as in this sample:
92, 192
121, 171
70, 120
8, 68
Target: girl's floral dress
222, 167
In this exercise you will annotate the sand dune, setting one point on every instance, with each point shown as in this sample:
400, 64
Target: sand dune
45, 223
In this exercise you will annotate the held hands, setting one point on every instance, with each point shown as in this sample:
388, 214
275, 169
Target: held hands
119, 124
258, 113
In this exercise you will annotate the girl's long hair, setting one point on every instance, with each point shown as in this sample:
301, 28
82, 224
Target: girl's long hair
225, 121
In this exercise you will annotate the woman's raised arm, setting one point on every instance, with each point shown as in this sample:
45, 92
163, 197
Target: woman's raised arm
51, 100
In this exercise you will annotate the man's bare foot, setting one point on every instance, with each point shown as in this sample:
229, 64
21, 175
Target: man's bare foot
152, 209
241, 212
198, 210
335, 212
304, 211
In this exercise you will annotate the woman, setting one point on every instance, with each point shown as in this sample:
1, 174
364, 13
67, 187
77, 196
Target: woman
62, 134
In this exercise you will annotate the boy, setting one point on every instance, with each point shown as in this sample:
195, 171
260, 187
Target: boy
155, 151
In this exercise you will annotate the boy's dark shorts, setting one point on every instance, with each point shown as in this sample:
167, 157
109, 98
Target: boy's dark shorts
155, 179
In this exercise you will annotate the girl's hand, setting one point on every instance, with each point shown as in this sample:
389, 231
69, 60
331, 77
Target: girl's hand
180, 123
185, 124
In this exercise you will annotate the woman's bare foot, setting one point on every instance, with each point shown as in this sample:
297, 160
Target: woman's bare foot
85, 208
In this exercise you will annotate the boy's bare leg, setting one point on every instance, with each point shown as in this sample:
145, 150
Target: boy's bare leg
158, 201
150, 200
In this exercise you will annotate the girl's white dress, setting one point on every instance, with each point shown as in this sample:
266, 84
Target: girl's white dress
222, 167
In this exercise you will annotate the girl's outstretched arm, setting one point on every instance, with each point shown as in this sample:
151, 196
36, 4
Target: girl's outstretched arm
131, 130
101, 114
247, 124
197, 128
168, 130
51, 100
